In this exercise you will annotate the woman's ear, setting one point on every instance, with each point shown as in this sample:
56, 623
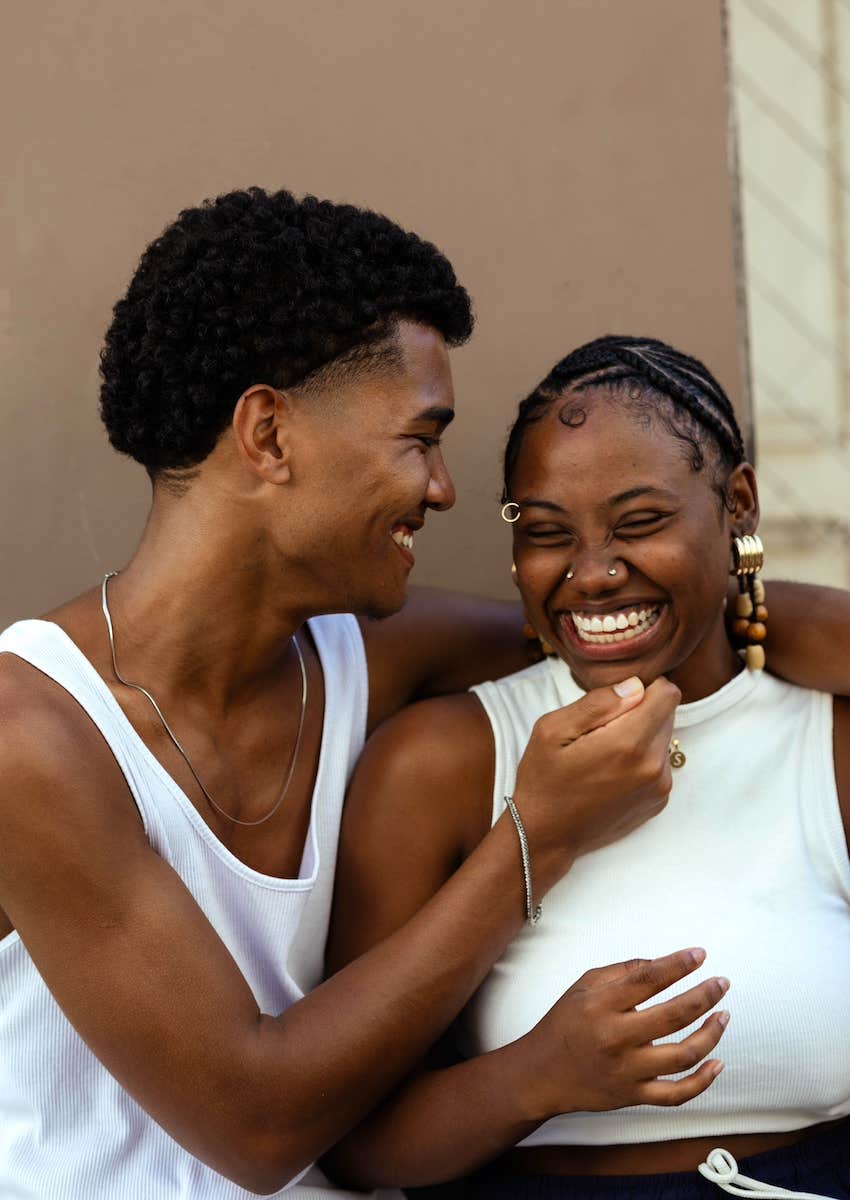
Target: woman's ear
742, 500
261, 428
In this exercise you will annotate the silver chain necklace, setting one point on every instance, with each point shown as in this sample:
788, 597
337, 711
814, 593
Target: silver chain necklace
138, 688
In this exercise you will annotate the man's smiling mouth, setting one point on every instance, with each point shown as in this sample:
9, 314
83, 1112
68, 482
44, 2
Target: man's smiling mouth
402, 535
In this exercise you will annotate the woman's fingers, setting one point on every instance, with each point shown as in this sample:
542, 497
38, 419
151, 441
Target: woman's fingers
655, 975
670, 1092
671, 1058
660, 1020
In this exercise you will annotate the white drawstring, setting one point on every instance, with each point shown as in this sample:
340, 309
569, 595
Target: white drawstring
720, 1168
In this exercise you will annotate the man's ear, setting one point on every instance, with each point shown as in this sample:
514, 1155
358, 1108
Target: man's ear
742, 500
262, 431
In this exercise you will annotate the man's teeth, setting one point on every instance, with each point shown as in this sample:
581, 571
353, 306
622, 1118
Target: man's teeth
615, 627
403, 537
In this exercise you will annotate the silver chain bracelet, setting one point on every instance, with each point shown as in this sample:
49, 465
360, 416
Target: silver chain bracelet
532, 912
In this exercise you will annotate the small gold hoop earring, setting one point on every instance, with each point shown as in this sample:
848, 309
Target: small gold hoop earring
504, 512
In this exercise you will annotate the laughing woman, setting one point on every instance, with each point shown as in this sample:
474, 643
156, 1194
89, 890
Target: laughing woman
629, 495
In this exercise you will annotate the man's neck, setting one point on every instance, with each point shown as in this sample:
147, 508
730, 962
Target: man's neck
200, 608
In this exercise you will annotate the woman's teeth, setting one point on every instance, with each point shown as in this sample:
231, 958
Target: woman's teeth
621, 626
403, 537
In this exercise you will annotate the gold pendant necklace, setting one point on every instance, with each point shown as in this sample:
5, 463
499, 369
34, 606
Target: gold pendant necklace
676, 756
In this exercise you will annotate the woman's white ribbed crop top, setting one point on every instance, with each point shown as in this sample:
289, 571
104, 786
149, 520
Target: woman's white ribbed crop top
68, 1131
748, 859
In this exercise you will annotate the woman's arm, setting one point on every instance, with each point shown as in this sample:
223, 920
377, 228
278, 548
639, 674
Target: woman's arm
419, 802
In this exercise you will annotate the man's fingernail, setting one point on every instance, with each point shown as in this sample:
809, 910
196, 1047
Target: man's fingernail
696, 954
717, 1068
723, 1018
629, 687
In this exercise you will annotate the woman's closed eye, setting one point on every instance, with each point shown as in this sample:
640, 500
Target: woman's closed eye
547, 533
642, 524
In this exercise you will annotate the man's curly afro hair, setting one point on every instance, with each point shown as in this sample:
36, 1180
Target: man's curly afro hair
258, 288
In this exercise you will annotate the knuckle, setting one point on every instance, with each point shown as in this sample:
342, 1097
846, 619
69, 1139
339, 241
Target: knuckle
645, 975
646, 775
631, 762
547, 729
633, 964
667, 690
678, 1015
687, 1057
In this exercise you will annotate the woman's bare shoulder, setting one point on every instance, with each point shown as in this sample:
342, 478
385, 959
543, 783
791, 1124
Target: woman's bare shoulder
419, 802
437, 753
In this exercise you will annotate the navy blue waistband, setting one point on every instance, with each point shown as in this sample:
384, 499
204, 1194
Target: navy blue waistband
819, 1163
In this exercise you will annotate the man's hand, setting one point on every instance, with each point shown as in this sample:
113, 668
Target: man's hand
594, 1051
594, 771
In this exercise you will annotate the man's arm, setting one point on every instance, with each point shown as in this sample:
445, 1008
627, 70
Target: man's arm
143, 977
808, 635
440, 642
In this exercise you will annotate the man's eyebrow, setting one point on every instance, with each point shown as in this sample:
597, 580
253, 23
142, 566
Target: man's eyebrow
437, 414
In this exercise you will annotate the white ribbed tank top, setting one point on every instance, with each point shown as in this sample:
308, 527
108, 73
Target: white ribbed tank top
749, 860
68, 1131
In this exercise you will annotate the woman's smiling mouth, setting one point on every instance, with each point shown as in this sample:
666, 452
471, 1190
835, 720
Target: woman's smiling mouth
616, 633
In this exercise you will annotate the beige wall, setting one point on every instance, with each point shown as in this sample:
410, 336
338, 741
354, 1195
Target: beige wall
568, 155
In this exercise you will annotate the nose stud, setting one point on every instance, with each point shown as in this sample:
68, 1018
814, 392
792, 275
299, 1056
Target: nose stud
612, 571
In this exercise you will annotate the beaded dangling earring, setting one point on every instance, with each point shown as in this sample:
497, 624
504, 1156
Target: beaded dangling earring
750, 611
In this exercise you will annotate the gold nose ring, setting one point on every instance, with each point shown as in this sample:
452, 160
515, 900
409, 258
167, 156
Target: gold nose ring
504, 512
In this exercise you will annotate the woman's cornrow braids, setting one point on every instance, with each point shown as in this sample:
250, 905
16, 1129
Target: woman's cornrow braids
677, 383
684, 381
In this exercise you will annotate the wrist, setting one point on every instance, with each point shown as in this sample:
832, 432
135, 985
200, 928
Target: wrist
523, 1075
551, 853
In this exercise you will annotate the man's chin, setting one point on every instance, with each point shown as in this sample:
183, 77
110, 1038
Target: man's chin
388, 606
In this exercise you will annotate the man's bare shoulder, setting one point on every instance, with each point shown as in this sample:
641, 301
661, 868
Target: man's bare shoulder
46, 738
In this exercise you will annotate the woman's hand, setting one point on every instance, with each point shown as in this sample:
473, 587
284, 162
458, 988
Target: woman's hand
594, 771
594, 1050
